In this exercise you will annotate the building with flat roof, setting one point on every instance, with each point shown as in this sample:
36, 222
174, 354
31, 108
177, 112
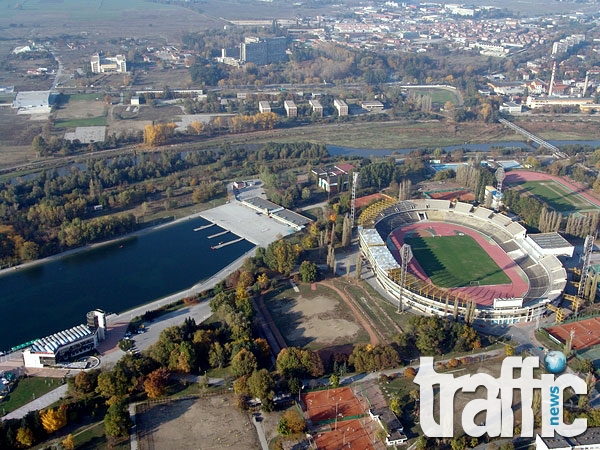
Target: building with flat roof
279, 213
261, 51
264, 106
333, 179
317, 108
341, 107
66, 345
104, 64
588, 440
290, 108
372, 105
545, 102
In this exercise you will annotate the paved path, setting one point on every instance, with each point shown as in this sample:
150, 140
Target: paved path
261, 433
39, 403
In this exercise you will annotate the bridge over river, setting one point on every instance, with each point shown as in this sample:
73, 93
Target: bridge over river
542, 143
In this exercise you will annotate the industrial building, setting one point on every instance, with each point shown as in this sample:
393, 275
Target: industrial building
103, 64
66, 345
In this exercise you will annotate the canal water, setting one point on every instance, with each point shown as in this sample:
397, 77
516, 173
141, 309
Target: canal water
46, 298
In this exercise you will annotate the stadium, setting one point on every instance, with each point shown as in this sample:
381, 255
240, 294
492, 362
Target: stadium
468, 261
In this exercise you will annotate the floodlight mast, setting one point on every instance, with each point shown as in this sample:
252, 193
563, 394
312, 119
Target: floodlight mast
406, 255
353, 202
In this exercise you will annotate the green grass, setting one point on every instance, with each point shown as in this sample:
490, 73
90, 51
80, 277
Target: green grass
439, 96
455, 261
85, 97
93, 438
25, 391
556, 196
74, 123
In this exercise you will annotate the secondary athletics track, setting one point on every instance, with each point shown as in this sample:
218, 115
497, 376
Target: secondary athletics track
522, 176
483, 295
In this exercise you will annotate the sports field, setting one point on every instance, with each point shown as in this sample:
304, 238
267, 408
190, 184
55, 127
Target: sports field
455, 261
556, 196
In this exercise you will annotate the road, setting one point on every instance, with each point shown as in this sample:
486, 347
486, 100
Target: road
109, 351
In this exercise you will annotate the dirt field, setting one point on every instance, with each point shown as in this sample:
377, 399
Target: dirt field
206, 423
315, 319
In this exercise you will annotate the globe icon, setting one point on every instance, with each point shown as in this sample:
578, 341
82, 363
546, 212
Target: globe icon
555, 361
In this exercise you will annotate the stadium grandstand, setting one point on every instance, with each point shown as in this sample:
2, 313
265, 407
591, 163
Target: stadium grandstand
538, 276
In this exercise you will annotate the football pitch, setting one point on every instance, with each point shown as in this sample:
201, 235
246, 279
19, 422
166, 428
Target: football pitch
557, 196
456, 261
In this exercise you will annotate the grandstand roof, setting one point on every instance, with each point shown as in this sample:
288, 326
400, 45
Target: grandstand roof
52, 343
549, 240
371, 237
384, 258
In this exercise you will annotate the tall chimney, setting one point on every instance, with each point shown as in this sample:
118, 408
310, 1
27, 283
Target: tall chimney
585, 83
551, 87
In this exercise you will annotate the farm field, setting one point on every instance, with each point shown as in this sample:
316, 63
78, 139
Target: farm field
556, 196
455, 261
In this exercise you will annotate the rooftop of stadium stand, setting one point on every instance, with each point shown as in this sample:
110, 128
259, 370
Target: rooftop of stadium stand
549, 240
371, 237
384, 258
52, 343
262, 203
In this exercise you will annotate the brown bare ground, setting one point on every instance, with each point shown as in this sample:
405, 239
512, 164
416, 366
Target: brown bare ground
210, 422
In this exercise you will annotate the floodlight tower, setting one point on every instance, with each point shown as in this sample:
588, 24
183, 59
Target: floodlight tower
353, 202
500, 176
406, 255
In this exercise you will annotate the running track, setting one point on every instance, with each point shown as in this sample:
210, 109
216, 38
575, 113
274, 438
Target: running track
521, 176
483, 295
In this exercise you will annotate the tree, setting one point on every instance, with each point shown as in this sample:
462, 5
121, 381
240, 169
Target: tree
68, 443
244, 363
291, 423
308, 271
85, 382
261, 384
410, 372
53, 419
116, 420
281, 256
509, 350
113, 384
217, 355
25, 437
156, 383
334, 380
396, 405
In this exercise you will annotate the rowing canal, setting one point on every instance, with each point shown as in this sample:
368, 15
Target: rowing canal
48, 297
